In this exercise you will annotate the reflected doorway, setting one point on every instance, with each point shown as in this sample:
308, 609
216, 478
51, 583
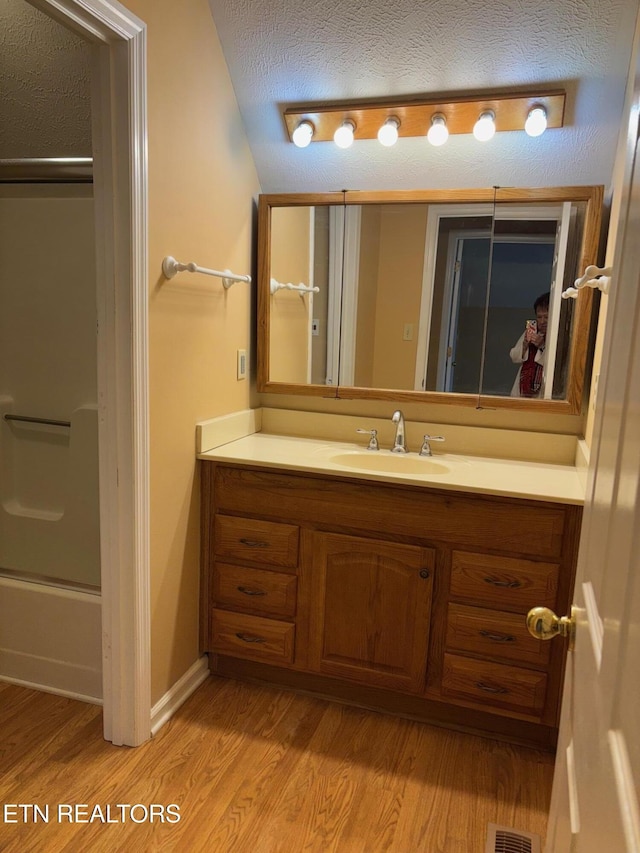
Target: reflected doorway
482, 276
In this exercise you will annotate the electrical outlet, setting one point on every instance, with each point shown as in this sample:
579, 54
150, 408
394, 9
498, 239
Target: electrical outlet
407, 333
242, 364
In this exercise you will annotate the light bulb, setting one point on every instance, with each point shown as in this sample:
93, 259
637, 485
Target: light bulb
388, 133
536, 122
303, 134
438, 132
343, 137
485, 127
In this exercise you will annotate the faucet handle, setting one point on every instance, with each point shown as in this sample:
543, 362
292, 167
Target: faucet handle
425, 450
373, 438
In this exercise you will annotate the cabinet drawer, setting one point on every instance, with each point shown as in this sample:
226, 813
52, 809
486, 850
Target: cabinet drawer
494, 634
503, 583
265, 542
496, 684
254, 590
241, 635
464, 521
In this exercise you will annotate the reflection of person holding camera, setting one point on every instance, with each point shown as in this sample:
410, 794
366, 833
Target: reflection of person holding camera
529, 352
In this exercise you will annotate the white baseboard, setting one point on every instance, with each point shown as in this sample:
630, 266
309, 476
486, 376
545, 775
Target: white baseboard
166, 707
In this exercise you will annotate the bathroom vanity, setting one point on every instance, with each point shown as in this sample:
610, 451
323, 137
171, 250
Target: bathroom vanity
382, 579
405, 593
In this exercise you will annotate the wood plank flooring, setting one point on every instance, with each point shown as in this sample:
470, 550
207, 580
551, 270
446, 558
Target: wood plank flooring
258, 770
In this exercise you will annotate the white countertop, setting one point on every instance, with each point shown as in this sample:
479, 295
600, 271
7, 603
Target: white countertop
483, 475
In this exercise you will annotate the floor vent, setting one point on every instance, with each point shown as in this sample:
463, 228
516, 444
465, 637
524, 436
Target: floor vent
504, 839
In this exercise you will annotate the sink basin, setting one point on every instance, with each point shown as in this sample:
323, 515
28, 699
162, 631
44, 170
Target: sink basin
392, 463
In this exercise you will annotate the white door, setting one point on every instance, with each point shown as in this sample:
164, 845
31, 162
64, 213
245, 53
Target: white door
594, 805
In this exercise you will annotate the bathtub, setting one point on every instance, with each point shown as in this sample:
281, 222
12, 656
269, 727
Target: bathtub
50, 626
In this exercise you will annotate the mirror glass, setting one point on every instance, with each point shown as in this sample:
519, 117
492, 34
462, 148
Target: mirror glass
438, 295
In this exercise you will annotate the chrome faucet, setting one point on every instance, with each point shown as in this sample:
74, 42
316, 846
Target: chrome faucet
399, 442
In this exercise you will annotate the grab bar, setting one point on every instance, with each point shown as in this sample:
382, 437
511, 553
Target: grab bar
29, 420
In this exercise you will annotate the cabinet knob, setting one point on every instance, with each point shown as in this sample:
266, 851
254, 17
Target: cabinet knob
425, 573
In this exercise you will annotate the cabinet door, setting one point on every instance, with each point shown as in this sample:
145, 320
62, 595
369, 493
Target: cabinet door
372, 608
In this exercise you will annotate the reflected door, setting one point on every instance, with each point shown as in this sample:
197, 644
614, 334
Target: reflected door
465, 309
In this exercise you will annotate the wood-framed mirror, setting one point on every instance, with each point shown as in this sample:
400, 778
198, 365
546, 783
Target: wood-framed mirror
425, 295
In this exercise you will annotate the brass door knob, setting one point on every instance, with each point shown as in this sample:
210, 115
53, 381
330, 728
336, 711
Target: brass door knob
543, 624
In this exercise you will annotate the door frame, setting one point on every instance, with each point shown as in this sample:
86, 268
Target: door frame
344, 273
119, 125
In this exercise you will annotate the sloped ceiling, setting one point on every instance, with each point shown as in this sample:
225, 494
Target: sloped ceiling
45, 108
283, 52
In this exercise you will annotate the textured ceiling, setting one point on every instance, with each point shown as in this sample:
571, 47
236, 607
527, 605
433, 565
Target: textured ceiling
282, 52
45, 108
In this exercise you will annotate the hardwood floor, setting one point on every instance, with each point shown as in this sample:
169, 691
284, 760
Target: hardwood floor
257, 770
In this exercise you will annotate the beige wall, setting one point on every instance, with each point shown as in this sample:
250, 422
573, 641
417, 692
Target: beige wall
201, 184
289, 312
402, 234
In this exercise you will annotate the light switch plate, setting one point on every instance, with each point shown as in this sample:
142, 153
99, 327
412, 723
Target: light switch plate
242, 364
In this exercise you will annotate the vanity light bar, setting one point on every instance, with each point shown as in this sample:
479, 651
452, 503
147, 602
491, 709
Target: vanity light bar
414, 118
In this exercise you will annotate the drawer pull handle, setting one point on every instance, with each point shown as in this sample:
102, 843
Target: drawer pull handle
425, 573
254, 543
490, 688
507, 584
498, 638
250, 638
247, 591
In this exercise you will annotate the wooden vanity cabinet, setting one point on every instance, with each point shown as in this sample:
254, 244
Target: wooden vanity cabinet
371, 610
401, 598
